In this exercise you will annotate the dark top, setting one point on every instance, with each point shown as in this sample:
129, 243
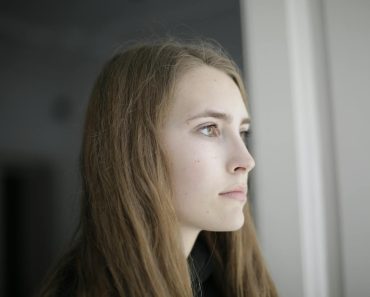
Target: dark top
202, 269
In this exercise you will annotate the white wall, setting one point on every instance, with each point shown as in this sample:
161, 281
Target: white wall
335, 39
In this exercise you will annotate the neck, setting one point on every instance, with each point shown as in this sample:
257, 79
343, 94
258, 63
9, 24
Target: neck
189, 236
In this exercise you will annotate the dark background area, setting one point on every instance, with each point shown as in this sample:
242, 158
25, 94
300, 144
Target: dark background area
50, 54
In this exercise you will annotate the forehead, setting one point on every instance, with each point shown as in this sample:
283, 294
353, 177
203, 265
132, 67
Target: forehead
205, 87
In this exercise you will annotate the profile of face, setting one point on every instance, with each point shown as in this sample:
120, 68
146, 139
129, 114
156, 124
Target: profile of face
203, 138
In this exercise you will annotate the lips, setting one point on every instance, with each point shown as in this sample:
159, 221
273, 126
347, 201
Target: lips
236, 192
236, 189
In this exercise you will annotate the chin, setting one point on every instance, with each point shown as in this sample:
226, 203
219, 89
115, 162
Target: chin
236, 226
229, 225
234, 223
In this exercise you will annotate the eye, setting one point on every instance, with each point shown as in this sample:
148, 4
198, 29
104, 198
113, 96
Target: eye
245, 135
210, 130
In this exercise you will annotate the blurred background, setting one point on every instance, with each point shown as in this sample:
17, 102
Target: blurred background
50, 54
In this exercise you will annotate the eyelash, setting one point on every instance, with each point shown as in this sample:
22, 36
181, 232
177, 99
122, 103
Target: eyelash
244, 134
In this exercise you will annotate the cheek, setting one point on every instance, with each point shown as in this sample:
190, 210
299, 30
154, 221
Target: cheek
194, 173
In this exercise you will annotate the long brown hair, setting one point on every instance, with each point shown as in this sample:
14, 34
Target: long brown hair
128, 241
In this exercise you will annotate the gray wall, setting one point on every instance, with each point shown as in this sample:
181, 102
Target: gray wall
348, 31
346, 46
273, 142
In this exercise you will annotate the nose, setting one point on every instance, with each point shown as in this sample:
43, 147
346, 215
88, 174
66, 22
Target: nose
240, 159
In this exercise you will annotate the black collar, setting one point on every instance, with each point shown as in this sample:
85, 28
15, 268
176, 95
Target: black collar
200, 261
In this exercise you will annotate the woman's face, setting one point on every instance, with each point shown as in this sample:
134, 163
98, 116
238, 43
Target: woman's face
203, 138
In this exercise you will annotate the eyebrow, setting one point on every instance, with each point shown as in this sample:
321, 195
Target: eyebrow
218, 115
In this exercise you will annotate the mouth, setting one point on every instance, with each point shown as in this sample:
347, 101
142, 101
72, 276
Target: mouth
235, 195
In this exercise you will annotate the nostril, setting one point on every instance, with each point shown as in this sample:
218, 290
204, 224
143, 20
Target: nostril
242, 168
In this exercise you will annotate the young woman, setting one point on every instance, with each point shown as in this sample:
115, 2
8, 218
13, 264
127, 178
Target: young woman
165, 166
